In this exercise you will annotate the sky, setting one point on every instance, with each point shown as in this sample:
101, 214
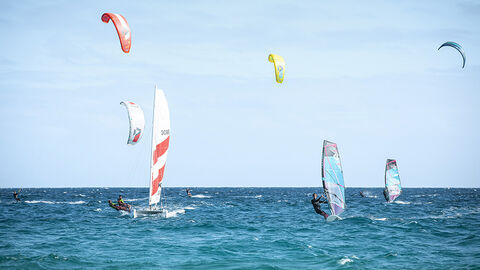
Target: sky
366, 75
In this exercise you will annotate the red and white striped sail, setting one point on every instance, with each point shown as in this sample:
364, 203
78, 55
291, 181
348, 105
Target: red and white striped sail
160, 142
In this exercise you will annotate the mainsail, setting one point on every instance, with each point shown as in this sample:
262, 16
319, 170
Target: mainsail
332, 177
137, 121
160, 142
392, 180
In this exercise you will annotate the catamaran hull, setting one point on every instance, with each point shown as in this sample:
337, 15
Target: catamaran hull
147, 212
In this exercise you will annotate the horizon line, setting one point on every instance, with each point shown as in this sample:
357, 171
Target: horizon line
224, 187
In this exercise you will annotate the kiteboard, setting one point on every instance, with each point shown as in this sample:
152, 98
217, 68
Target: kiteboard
333, 218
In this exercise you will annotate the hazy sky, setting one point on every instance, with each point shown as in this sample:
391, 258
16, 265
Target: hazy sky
364, 74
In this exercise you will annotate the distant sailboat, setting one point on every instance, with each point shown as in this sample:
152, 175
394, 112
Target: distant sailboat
160, 143
332, 177
393, 188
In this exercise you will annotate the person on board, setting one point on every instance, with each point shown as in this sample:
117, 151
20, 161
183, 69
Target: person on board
15, 195
317, 205
119, 207
188, 192
120, 201
385, 194
363, 194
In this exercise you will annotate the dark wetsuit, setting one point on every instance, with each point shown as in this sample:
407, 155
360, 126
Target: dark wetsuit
15, 196
385, 194
318, 207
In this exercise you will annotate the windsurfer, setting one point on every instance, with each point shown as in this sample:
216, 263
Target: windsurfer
385, 194
317, 205
188, 192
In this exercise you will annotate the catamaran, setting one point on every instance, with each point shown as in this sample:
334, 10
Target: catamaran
160, 143
393, 188
332, 178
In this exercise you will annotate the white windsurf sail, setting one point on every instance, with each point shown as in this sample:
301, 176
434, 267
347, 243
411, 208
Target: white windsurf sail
160, 143
332, 177
393, 187
137, 121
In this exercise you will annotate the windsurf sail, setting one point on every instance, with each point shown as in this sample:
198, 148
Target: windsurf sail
392, 181
332, 177
160, 143
137, 121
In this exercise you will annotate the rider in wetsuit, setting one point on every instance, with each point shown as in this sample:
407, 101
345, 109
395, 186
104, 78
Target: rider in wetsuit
317, 205
188, 192
385, 194
15, 196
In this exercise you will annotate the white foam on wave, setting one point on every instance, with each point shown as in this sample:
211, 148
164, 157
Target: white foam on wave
201, 196
258, 196
346, 260
174, 213
401, 202
50, 202
380, 219
134, 200
47, 202
81, 195
98, 210
189, 208
76, 202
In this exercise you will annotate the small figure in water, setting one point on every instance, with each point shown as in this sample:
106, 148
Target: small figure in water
362, 194
15, 195
317, 205
188, 192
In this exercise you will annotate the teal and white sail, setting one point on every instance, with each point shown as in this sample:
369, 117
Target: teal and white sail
332, 177
393, 188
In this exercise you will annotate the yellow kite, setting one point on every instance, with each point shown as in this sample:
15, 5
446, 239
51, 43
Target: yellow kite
279, 65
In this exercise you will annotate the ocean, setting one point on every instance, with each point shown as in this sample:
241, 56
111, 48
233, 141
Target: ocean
239, 228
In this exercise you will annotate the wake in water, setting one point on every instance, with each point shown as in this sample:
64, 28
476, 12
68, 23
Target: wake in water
401, 202
201, 196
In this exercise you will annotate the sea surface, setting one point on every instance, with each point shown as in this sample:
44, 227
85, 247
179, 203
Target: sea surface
239, 228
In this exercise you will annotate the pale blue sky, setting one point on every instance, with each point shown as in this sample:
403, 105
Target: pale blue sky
364, 74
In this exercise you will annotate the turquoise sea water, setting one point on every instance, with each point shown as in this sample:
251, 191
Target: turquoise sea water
239, 228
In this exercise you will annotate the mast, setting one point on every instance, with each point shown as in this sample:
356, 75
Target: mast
151, 152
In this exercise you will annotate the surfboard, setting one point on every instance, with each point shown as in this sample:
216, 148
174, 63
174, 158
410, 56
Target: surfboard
333, 218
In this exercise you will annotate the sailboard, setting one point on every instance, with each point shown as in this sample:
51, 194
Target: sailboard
393, 187
332, 178
160, 144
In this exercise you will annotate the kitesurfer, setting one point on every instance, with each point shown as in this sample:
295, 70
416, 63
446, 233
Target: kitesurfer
317, 205
188, 192
362, 194
15, 196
